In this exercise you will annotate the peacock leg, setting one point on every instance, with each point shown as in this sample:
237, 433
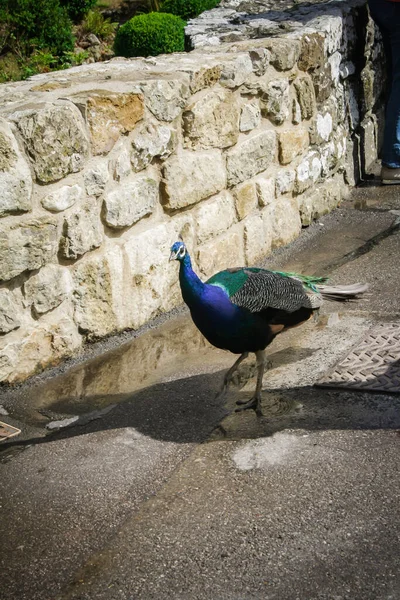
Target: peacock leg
228, 374
255, 401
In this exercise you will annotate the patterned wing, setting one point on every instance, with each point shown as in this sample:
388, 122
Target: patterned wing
259, 289
265, 289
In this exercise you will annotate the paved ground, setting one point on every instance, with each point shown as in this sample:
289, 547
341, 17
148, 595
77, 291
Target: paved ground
162, 492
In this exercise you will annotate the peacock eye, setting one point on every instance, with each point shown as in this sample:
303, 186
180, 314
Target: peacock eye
182, 251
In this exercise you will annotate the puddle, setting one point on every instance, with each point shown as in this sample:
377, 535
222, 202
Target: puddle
173, 350
373, 196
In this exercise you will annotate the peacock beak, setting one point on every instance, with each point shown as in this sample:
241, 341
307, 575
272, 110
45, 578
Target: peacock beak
173, 255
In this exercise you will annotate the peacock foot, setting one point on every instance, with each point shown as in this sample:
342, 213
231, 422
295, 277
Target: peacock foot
254, 403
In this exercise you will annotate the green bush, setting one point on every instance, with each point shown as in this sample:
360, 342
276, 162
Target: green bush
95, 23
187, 9
77, 9
150, 34
32, 25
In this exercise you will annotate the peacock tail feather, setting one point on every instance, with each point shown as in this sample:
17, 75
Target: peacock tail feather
232, 280
309, 281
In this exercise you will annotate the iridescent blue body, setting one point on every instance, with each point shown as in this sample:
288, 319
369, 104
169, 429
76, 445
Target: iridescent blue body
224, 324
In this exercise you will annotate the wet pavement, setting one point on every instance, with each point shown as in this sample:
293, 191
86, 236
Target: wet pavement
157, 490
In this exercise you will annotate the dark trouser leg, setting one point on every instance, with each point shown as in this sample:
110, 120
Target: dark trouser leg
387, 16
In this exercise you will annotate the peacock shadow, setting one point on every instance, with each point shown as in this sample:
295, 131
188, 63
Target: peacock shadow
186, 411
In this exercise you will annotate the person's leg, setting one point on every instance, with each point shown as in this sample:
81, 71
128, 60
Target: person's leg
387, 15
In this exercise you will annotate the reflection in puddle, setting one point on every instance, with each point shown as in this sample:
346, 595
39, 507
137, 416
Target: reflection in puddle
158, 355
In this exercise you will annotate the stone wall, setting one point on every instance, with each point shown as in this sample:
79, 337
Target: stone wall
236, 146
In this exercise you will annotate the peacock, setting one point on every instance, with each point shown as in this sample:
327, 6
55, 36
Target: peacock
243, 309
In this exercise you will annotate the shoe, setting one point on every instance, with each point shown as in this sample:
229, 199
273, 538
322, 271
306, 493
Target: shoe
390, 176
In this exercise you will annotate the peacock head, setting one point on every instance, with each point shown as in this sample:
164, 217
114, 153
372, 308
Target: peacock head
178, 251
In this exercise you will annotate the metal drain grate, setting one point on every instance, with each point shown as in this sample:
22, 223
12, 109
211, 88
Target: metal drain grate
374, 364
7, 431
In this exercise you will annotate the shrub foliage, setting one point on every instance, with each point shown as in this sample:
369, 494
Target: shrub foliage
30, 25
150, 34
77, 9
187, 9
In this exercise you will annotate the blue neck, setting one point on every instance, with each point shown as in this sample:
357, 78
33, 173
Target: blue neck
192, 287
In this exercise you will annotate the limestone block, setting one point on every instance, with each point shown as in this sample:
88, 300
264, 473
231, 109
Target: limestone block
121, 166
265, 188
96, 179
369, 150
284, 182
305, 203
149, 141
65, 337
192, 176
275, 101
27, 245
56, 139
303, 177
312, 52
372, 84
15, 176
62, 198
260, 58
8, 359
323, 82
10, 312
212, 121
284, 53
246, 200
257, 237
346, 69
82, 230
305, 96
315, 165
109, 115
250, 157
223, 252
153, 285
205, 77
322, 128
286, 223
131, 201
236, 71
165, 98
120, 295
30, 352
340, 102
250, 117
93, 297
214, 216
308, 171
292, 143
332, 27
335, 62
352, 106
321, 201
328, 157
296, 112
48, 288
